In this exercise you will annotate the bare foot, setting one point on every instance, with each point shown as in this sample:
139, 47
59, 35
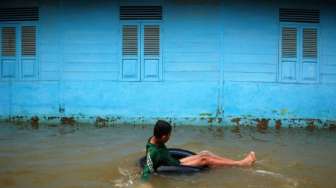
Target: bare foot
254, 156
248, 160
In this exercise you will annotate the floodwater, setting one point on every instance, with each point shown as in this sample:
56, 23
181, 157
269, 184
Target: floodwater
67, 156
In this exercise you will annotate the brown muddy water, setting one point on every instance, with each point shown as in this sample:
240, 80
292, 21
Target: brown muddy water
86, 156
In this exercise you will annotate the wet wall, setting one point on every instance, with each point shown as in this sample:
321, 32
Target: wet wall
219, 65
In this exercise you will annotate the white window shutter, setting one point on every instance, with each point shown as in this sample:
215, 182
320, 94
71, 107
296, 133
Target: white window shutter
151, 60
8, 60
310, 68
288, 59
130, 53
29, 66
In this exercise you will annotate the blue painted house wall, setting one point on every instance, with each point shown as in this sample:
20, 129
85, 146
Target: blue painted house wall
220, 60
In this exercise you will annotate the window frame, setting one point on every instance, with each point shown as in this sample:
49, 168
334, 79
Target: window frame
18, 73
299, 59
141, 67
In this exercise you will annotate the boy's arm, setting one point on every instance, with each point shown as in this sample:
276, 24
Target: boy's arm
145, 174
152, 159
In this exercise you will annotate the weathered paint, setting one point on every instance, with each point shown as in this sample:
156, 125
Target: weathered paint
220, 67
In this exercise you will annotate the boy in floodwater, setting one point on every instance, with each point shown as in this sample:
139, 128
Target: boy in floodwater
157, 154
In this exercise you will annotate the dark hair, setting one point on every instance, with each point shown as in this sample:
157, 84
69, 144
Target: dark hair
162, 128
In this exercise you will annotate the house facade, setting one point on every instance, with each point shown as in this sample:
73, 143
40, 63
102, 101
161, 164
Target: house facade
270, 63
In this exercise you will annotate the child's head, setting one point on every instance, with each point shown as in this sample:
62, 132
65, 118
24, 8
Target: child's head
162, 131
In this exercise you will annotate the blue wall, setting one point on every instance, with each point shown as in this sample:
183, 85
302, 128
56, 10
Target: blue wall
220, 60
4, 99
251, 52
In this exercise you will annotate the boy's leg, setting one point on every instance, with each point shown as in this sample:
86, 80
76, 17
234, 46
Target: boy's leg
204, 159
197, 156
205, 152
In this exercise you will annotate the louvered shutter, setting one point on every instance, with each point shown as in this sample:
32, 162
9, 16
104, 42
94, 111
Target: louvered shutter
289, 56
309, 43
28, 37
8, 52
130, 52
151, 52
310, 54
8, 41
140, 12
19, 14
152, 40
289, 42
299, 15
28, 52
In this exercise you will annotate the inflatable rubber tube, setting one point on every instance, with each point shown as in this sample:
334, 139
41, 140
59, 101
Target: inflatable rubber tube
181, 169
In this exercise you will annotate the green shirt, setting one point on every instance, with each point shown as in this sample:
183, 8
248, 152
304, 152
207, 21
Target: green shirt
156, 156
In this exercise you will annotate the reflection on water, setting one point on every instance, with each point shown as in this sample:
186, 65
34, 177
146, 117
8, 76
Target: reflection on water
85, 156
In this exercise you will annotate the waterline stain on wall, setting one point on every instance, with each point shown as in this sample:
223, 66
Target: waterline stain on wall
236, 123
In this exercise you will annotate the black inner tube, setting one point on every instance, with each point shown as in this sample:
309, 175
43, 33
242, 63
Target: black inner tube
180, 169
